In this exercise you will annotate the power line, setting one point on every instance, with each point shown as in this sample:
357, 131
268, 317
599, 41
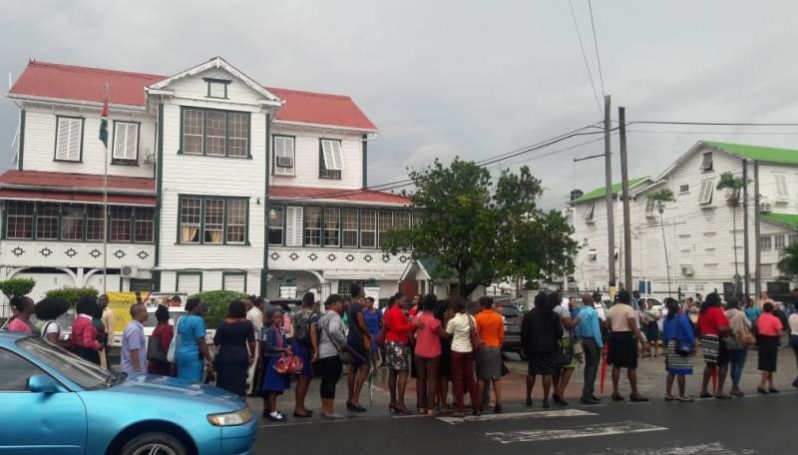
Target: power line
584, 57
677, 122
595, 43
743, 133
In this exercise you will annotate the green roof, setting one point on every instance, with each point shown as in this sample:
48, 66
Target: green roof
754, 152
599, 193
786, 219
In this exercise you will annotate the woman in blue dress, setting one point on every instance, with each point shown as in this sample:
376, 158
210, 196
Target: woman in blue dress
192, 349
373, 318
274, 383
677, 332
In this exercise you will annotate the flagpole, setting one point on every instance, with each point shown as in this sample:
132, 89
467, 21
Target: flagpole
105, 198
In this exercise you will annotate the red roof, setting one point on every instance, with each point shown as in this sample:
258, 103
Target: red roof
358, 195
75, 182
96, 198
77, 83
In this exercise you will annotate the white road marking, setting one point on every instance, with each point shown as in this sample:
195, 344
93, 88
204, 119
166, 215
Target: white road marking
585, 431
713, 448
518, 415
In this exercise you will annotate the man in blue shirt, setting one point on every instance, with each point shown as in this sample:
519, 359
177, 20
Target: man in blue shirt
588, 330
134, 342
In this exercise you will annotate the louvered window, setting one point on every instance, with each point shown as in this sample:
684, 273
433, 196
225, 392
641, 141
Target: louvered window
283, 155
126, 141
69, 139
331, 162
705, 196
293, 226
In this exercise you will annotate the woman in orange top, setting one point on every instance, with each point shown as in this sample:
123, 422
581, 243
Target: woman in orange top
490, 325
768, 333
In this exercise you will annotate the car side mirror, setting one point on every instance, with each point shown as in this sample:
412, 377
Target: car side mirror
41, 383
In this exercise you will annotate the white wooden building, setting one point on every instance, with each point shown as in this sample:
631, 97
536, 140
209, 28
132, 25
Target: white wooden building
700, 229
214, 182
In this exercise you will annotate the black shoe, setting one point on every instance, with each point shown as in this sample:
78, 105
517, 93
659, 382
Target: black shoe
546, 404
497, 409
772, 390
595, 398
589, 400
761, 390
705, 395
276, 417
529, 402
558, 400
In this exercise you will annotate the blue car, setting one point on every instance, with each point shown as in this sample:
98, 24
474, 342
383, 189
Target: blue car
52, 402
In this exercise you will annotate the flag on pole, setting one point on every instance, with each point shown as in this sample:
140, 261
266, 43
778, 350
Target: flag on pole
104, 121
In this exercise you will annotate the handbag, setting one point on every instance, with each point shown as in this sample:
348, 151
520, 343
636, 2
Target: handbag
476, 342
288, 365
155, 351
745, 337
170, 353
344, 353
682, 348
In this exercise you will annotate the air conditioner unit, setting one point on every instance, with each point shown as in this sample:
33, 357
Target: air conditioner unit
128, 271
285, 161
687, 270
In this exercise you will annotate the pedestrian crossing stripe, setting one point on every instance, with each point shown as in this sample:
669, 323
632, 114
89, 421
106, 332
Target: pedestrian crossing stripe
583, 431
518, 415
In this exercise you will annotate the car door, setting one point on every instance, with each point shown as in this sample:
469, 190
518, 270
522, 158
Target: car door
37, 423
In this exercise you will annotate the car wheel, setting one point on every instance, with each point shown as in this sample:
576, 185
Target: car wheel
154, 444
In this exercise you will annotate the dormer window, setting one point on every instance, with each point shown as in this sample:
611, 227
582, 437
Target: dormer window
217, 88
706, 162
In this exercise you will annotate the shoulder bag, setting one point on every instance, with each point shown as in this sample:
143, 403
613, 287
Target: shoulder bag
171, 352
476, 342
344, 353
683, 348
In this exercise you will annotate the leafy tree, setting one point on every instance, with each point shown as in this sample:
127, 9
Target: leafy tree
733, 185
660, 198
477, 230
788, 264
17, 287
71, 295
217, 302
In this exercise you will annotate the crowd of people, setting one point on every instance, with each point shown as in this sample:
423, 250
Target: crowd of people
434, 341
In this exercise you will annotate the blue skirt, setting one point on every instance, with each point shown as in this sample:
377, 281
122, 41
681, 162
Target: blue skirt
303, 352
274, 382
189, 366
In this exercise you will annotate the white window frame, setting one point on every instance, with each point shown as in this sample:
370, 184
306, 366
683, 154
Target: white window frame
782, 194
684, 188
240, 277
331, 163
69, 146
126, 142
294, 226
779, 242
707, 189
368, 225
765, 242
217, 89
707, 162
284, 147
184, 275
590, 210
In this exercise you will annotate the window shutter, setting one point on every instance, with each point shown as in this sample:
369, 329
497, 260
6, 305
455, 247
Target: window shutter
234, 283
327, 154
126, 141
781, 186
293, 226
68, 140
189, 283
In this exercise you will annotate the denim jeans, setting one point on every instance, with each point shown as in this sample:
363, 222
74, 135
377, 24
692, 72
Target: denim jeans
592, 359
736, 365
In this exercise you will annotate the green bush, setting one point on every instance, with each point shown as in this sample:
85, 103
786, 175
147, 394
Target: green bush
17, 287
217, 302
72, 295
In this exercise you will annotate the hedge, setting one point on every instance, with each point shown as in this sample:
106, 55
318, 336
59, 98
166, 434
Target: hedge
216, 303
17, 287
72, 295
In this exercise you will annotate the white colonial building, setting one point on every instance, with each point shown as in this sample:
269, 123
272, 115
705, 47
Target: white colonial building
214, 182
702, 230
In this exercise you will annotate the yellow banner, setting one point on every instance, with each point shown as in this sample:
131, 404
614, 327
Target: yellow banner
120, 303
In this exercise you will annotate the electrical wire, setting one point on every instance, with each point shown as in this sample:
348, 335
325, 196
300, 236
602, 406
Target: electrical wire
595, 43
584, 58
676, 122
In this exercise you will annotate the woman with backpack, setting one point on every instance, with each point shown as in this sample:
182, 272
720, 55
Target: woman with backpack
49, 310
679, 340
737, 343
158, 344
305, 346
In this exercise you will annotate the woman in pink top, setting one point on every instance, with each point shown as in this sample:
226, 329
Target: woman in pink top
428, 353
768, 333
21, 323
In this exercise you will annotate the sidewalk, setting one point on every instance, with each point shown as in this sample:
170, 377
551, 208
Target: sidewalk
651, 380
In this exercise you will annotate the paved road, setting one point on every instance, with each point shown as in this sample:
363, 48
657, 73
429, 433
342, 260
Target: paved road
753, 425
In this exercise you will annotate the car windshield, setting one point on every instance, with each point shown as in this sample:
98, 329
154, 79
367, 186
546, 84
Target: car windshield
85, 374
510, 311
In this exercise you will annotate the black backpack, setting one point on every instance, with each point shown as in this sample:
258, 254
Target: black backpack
302, 323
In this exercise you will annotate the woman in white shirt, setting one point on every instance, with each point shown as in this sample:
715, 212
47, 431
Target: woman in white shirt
460, 328
49, 310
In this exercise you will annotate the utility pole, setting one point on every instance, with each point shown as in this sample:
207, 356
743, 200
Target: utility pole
627, 229
746, 250
757, 246
609, 196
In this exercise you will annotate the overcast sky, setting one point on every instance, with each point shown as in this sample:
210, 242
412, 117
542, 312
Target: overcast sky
446, 78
